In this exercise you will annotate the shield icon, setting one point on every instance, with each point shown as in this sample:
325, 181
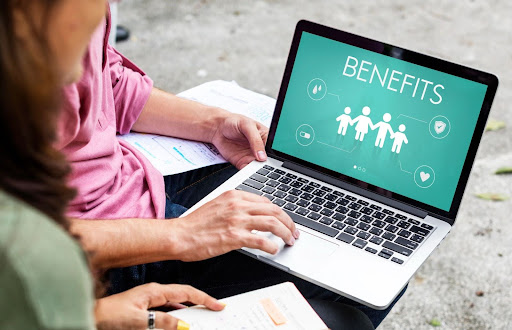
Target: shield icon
439, 126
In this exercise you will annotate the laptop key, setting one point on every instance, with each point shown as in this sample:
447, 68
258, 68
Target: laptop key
307, 196
354, 206
343, 201
295, 192
391, 228
379, 223
401, 216
326, 188
376, 231
296, 184
388, 236
338, 193
363, 226
268, 190
342, 209
291, 198
285, 180
405, 242
259, 178
366, 218
350, 230
391, 220
331, 197
272, 183
303, 203
375, 207
314, 184
291, 176
398, 261
279, 202
280, 194
314, 216
326, 221
315, 208
363, 235
362, 202
360, 243
312, 224
318, 200
371, 250
330, 205
379, 215
303, 180
403, 224
414, 221
418, 230
291, 207
253, 184
351, 221
345, 238
376, 240
338, 225
351, 198
388, 212
428, 227
326, 212
302, 211
384, 255
274, 176
284, 187
308, 188
404, 233
339, 216
249, 189
354, 214
319, 193
417, 238
366, 210
263, 171
270, 168
397, 248
278, 171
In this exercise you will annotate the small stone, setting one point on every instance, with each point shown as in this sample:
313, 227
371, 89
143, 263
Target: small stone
479, 293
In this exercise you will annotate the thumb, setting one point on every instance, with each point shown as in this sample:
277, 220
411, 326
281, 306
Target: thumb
253, 136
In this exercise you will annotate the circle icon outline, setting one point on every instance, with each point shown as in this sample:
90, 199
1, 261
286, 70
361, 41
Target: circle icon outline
308, 90
433, 174
448, 123
297, 134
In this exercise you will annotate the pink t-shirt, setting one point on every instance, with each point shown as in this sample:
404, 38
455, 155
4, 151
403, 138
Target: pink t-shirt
113, 179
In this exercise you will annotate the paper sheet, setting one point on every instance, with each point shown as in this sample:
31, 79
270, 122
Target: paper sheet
172, 155
245, 311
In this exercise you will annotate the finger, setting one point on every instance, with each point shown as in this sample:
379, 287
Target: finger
271, 224
183, 293
167, 322
174, 305
270, 209
259, 242
252, 134
246, 196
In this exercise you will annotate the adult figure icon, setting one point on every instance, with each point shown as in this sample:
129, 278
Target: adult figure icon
344, 120
363, 122
399, 138
383, 127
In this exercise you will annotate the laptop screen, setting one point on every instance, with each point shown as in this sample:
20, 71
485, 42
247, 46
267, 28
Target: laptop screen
393, 124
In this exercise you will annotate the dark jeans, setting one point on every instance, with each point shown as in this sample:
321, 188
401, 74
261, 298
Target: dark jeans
229, 274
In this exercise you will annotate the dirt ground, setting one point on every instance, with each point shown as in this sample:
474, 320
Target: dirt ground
181, 44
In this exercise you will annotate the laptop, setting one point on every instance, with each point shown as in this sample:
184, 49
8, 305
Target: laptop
369, 152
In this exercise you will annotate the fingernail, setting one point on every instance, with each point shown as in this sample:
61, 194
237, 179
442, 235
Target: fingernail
261, 155
297, 233
223, 304
292, 241
182, 325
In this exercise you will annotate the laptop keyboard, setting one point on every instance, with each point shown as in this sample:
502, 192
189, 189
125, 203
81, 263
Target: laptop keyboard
347, 218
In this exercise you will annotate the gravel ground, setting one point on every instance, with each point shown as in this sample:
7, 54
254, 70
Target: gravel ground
181, 44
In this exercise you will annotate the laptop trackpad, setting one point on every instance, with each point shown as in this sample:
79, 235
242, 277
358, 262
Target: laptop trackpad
308, 251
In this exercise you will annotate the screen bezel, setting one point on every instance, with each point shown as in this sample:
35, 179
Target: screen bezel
490, 80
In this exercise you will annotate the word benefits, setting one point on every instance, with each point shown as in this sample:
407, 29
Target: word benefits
395, 81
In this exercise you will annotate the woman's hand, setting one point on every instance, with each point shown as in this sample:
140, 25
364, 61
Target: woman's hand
129, 310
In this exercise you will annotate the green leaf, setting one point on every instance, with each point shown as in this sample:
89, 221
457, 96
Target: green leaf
494, 125
435, 323
492, 197
504, 170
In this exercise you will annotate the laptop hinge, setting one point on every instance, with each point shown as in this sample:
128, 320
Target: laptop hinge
356, 190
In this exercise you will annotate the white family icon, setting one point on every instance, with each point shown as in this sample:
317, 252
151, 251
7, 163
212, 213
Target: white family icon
364, 123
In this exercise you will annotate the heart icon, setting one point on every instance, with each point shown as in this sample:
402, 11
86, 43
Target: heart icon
439, 126
424, 176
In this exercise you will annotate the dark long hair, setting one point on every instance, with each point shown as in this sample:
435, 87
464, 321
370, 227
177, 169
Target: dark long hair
31, 169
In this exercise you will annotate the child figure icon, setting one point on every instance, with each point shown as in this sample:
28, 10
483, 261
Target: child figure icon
344, 120
399, 138
383, 127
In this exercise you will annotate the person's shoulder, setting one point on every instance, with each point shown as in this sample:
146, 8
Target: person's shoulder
45, 265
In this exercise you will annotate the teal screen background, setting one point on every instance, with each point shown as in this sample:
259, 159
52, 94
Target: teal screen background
319, 57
